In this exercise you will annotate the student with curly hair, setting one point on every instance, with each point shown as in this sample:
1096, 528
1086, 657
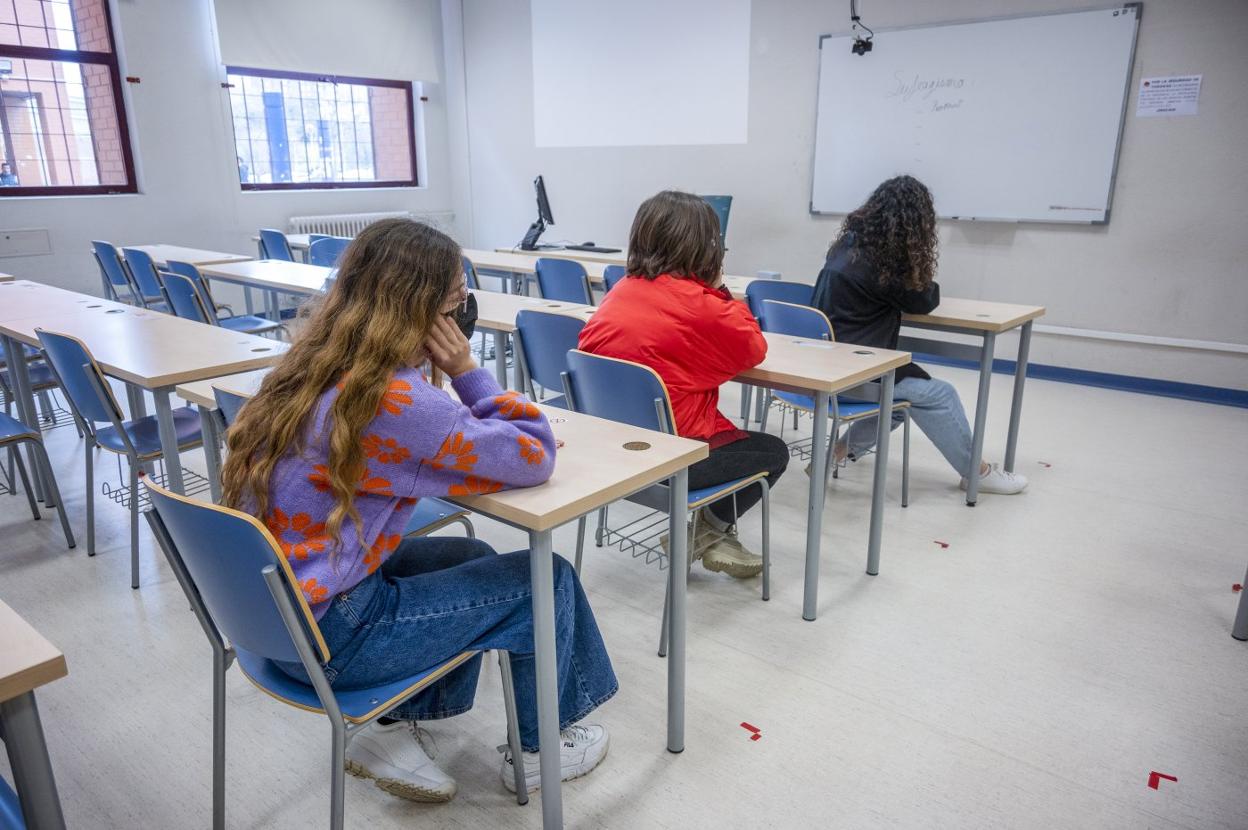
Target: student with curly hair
881, 266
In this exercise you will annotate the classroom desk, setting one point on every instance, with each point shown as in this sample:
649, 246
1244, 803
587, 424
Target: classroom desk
618, 258
825, 369
496, 313
6, 277
145, 349
599, 462
984, 320
273, 277
161, 254
28, 661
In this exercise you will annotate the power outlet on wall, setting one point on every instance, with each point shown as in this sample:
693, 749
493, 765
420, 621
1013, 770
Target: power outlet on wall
25, 242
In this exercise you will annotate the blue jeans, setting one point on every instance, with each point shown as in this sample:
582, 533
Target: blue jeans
936, 408
439, 596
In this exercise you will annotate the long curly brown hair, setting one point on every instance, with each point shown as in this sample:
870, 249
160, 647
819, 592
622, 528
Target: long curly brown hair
895, 230
392, 281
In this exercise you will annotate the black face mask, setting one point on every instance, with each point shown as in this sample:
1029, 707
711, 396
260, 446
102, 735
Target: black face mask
465, 316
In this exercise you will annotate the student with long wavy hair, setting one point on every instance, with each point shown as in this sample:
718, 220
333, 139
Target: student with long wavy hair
346, 433
674, 314
882, 265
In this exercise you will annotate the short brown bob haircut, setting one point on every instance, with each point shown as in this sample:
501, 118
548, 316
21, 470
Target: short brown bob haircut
678, 234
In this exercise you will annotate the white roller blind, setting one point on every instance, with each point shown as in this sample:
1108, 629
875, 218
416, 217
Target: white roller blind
388, 39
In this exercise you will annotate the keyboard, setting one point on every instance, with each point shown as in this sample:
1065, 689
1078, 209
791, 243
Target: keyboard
592, 249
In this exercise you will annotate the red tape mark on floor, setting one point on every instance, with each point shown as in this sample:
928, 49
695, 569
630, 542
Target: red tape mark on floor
749, 727
943, 545
1236, 588
1154, 779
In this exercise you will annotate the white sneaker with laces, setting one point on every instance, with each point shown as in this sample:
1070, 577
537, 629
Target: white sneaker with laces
398, 758
1000, 482
582, 747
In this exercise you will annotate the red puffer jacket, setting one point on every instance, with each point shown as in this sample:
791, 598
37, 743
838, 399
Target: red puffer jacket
697, 338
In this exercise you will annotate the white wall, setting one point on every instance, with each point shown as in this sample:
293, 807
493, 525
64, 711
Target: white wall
1171, 262
183, 142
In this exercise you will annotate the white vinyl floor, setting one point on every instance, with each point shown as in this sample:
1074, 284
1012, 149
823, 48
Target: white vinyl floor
1065, 644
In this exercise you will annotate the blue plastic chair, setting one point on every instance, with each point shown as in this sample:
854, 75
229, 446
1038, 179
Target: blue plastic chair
613, 274
13, 435
327, 250
253, 612
722, 206
247, 323
470, 274
274, 245
545, 340
630, 393
797, 293
430, 514
118, 286
804, 321
11, 817
91, 401
564, 280
182, 298
146, 278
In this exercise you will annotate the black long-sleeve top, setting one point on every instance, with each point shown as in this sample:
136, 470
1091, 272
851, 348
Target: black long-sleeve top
862, 310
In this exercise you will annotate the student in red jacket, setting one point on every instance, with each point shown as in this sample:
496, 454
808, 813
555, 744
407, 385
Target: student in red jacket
674, 315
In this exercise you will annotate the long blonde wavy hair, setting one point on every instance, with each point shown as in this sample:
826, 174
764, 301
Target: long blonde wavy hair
392, 283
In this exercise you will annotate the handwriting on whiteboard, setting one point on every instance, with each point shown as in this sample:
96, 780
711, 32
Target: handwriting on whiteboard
922, 87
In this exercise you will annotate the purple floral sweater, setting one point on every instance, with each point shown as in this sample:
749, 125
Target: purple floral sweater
422, 443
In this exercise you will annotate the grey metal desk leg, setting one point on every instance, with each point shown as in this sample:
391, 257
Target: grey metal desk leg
248, 300
981, 417
15, 354
1240, 631
884, 429
32, 768
169, 440
814, 510
1016, 406
542, 577
135, 401
678, 581
212, 450
522, 377
500, 358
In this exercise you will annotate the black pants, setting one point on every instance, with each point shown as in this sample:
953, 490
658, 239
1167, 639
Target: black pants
760, 452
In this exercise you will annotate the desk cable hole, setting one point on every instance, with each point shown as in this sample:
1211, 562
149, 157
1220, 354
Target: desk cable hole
636, 445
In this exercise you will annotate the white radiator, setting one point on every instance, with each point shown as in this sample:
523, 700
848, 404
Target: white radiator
350, 224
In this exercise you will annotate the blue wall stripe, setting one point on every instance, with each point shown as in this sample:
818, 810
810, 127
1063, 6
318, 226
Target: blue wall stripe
1106, 380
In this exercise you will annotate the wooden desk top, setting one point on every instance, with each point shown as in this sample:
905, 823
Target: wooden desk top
27, 660
497, 311
290, 277
22, 298
817, 365
980, 315
150, 349
200, 392
583, 256
6, 277
195, 256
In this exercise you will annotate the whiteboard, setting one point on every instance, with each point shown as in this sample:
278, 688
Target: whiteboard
1014, 119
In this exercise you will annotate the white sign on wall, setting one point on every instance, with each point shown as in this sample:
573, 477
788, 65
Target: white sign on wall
1168, 96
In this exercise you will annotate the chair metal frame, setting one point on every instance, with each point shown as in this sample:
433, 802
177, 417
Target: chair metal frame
32, 439
306, 636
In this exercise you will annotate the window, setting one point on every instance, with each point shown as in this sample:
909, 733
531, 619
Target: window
294, 131
62, 118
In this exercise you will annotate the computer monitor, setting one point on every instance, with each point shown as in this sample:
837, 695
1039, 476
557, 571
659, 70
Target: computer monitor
543, 203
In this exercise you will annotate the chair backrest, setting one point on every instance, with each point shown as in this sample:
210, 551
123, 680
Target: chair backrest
795, 320
470, 274
110, 265
274, 245
189, 271
613, 274
228, 404
223, 552
618, 390
325, 252
798, 293
75, 368
143, 270
183, 299
722, 206
564, 280
545, 340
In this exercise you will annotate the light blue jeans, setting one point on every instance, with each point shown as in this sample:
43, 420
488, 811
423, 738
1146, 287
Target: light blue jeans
936, 408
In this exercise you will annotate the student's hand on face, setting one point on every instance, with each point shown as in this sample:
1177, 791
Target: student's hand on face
448, 348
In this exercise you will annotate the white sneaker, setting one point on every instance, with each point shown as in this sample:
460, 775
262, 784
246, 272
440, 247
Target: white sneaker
397, 757
1000, 482
582, 747
729, 556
